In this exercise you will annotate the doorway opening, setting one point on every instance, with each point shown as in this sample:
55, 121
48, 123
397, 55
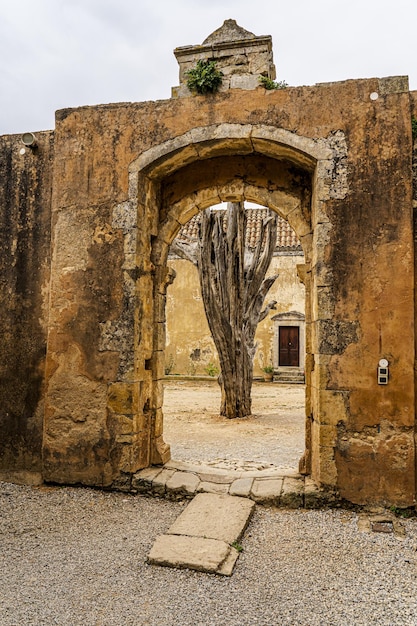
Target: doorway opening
274, 435
289, 346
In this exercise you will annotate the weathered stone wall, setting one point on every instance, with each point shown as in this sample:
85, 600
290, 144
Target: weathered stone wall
371, 255
25, 230
90, 368
190, 348
335, 160
362, 433
413, 102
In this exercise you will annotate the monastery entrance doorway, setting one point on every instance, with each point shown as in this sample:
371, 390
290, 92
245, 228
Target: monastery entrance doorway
212, 165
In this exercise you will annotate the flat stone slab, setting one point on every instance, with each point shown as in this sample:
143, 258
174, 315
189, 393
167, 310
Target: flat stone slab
198, 553
215, 516
203, 536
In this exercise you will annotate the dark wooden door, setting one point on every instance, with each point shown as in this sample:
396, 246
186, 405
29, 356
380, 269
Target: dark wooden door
289, 346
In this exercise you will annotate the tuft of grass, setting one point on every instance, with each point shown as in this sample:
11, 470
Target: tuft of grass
269, 84
212, 370
237, 546
404, 513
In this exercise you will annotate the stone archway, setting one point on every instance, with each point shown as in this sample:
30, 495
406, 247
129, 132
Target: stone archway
289, 174
111, 197
105, 366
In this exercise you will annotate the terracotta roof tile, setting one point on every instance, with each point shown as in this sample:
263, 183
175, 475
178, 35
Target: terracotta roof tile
286, 237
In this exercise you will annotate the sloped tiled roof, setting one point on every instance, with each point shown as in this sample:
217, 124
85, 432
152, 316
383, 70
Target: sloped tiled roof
286, 238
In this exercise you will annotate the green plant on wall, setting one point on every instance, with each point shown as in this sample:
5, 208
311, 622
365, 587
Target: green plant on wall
414, 127
268, 83
212, 370
204, 78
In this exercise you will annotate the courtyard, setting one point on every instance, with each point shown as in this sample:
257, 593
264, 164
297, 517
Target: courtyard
272, 436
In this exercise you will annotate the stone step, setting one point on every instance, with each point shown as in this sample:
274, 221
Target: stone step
179, 480
206, 536
289, 376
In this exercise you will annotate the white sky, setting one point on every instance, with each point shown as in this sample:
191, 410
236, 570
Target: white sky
66, 53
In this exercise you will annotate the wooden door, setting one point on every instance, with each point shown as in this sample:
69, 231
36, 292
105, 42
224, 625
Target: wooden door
289, 346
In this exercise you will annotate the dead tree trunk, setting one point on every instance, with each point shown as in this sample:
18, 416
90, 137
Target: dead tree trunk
233, 287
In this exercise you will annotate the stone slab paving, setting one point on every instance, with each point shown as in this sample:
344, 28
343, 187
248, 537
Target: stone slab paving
205, 536
178, 480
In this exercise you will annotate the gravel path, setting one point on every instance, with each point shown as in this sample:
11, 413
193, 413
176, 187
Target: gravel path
78, 557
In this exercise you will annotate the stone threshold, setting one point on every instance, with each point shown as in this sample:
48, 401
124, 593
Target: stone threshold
178, 480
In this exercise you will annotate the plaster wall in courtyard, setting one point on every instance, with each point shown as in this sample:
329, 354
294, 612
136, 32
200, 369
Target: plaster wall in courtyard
190, 349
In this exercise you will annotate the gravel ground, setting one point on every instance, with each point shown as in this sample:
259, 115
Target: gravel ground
274, 434
78, 557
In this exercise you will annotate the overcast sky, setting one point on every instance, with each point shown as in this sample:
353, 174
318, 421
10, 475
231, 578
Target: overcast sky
66, 53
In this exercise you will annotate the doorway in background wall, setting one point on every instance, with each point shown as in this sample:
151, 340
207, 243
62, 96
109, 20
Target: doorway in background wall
289, 346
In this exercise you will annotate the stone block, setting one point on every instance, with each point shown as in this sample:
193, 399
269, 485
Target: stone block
242, 145
330, 407
323, 435
314, 497
324, 468
142, 480
292, 495
216, 476
160, 481
140, 451
122, 398
207, 487
205, 198
160, 451
244, 81
120, 425
300, 222
311, 494
186, 209
158, 423
183, 482
232, 192
241, 487
266, 490
320, 374
323, 303
382, 465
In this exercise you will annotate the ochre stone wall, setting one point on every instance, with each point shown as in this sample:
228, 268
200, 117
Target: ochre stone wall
373, 280
332, 159
25, 232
